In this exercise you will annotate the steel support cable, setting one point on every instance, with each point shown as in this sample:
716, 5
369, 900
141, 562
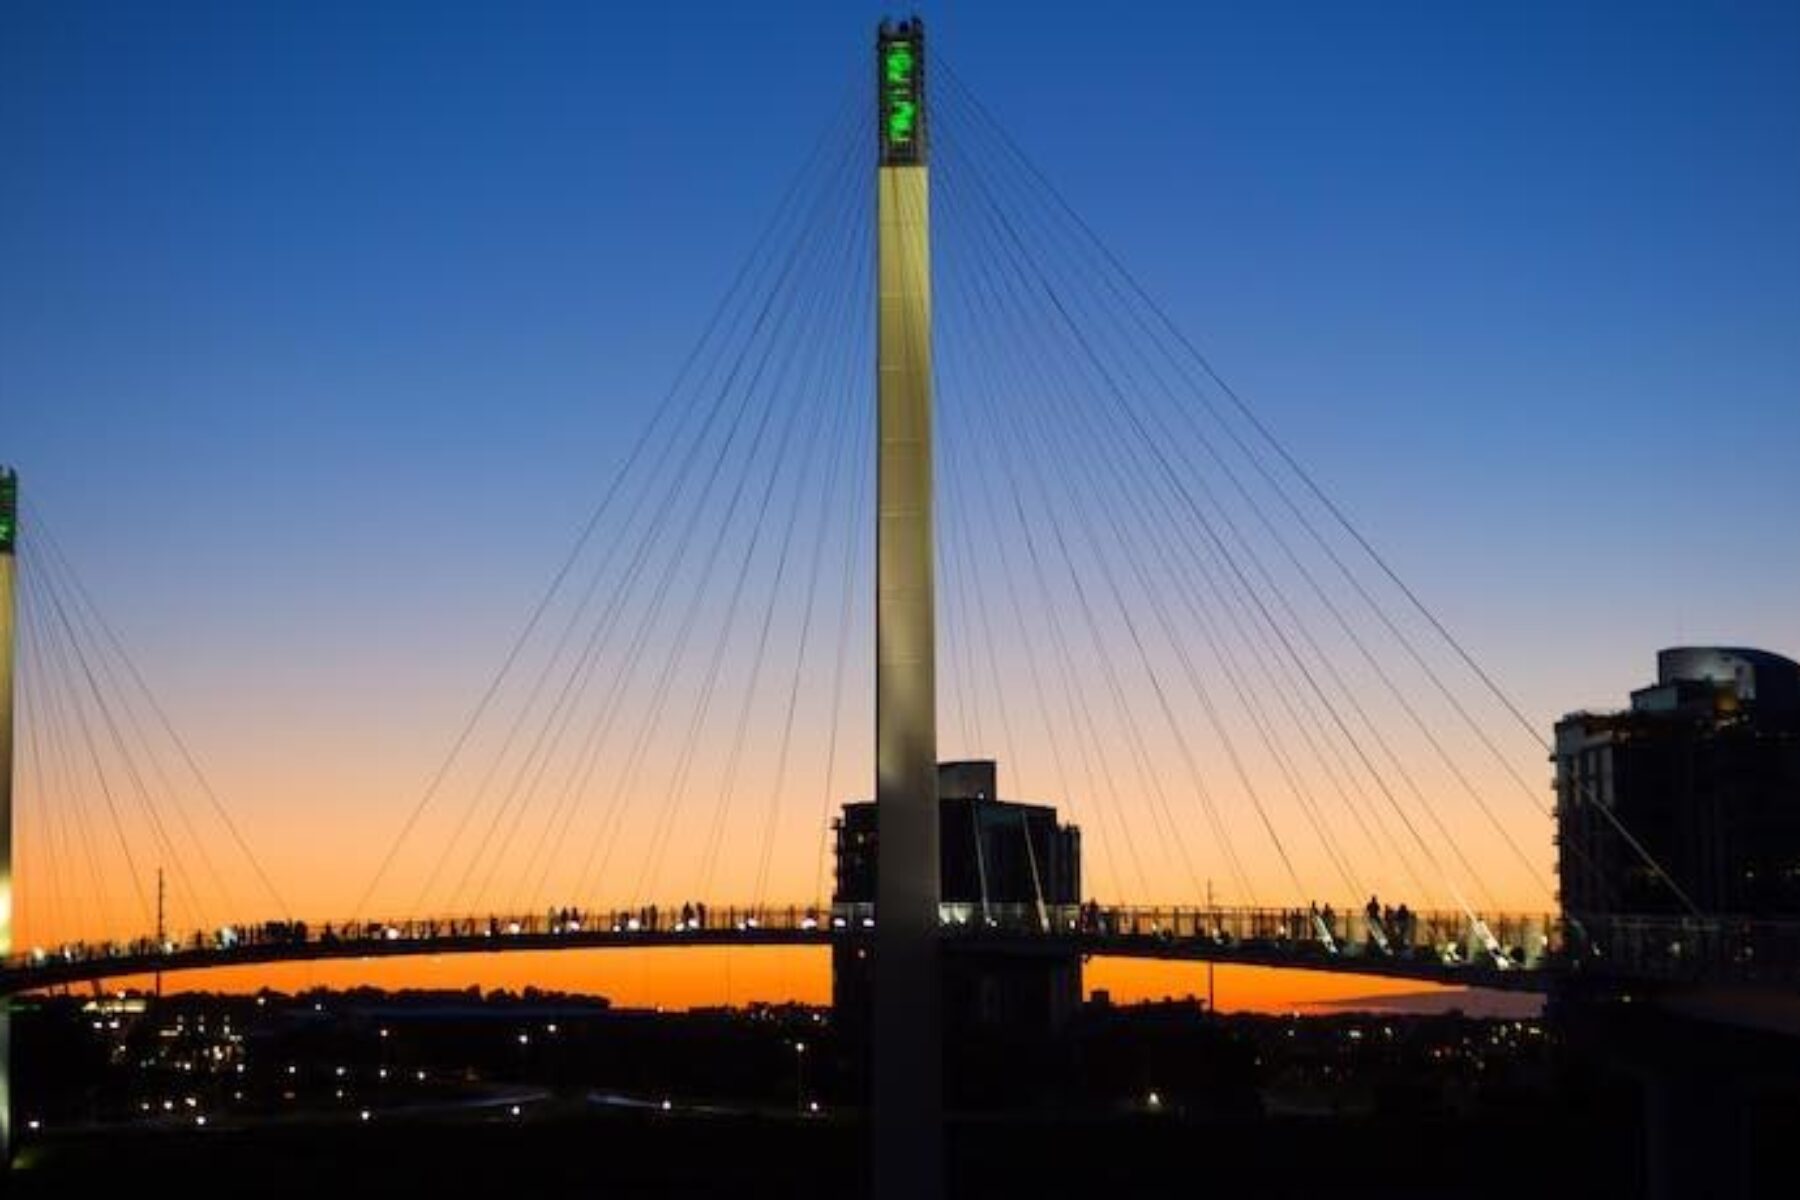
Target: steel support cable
72, 640
972, 602
640, 640
534, 896
1265, 726
31, 825
1155, 450
856, 537
1220, 647
499, 855
652, 863
1331, 606
1122, 709
842, 439
829, 318
659, 697
947, 603
587, 757
61, 740
1079, 718
1308, 481
838, 309
62, 670
84, 599
1121, 706
87, 622
1370, 602
954, 567
1063, 656
649, 538
1259, 719
815, 310
986, 302
1122, 540
845, 443
1134, 735
1243, 582
1021, 628
567, 704
1281, 599
980, 360
961, 531
36, 789
581, 670
1281, 690
644, 439
1185, 567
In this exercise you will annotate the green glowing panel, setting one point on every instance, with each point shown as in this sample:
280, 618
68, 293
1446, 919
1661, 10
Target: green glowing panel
900, 80
900, 64
9, 511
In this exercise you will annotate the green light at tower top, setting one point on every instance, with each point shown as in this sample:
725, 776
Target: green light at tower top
900, 53
9, 509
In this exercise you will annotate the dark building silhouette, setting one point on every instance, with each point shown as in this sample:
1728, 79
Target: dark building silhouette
1704, 771
999, 862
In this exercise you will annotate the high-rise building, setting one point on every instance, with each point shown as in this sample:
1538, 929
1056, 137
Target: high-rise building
1703, 772
1002, 862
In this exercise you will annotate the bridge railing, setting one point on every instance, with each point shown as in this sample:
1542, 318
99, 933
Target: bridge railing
555, 923
1631, 947
1449, 938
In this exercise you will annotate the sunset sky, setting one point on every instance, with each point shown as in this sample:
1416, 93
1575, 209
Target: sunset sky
324, 328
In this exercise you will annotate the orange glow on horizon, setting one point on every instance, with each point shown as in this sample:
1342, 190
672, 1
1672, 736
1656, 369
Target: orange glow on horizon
680, 978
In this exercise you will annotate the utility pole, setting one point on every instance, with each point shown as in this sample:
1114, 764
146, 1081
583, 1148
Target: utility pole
162, 933
1212, 914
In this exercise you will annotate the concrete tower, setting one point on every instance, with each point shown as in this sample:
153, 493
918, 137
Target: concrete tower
907, 1047
9, 531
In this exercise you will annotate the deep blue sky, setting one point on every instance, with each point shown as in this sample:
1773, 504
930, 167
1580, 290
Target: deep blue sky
321, 324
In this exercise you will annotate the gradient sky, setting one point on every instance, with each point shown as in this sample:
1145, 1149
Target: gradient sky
321, 326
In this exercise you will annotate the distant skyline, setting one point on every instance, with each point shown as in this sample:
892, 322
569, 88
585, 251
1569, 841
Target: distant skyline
323, 326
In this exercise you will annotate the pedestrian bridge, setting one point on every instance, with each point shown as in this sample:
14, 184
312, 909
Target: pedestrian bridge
1517, 952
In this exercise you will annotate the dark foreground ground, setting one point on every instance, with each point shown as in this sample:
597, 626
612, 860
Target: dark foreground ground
571, 1152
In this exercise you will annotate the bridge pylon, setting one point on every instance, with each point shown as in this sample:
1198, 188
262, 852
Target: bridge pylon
907, 1046
9, 531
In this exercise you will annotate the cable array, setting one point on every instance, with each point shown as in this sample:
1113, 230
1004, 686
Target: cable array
1149, 611
108, 793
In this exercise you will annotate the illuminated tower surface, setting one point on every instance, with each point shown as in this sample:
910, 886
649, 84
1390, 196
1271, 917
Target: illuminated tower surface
9, 530
906, 1043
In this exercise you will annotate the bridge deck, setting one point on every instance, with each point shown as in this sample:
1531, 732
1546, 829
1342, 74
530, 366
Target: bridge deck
1510, 952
